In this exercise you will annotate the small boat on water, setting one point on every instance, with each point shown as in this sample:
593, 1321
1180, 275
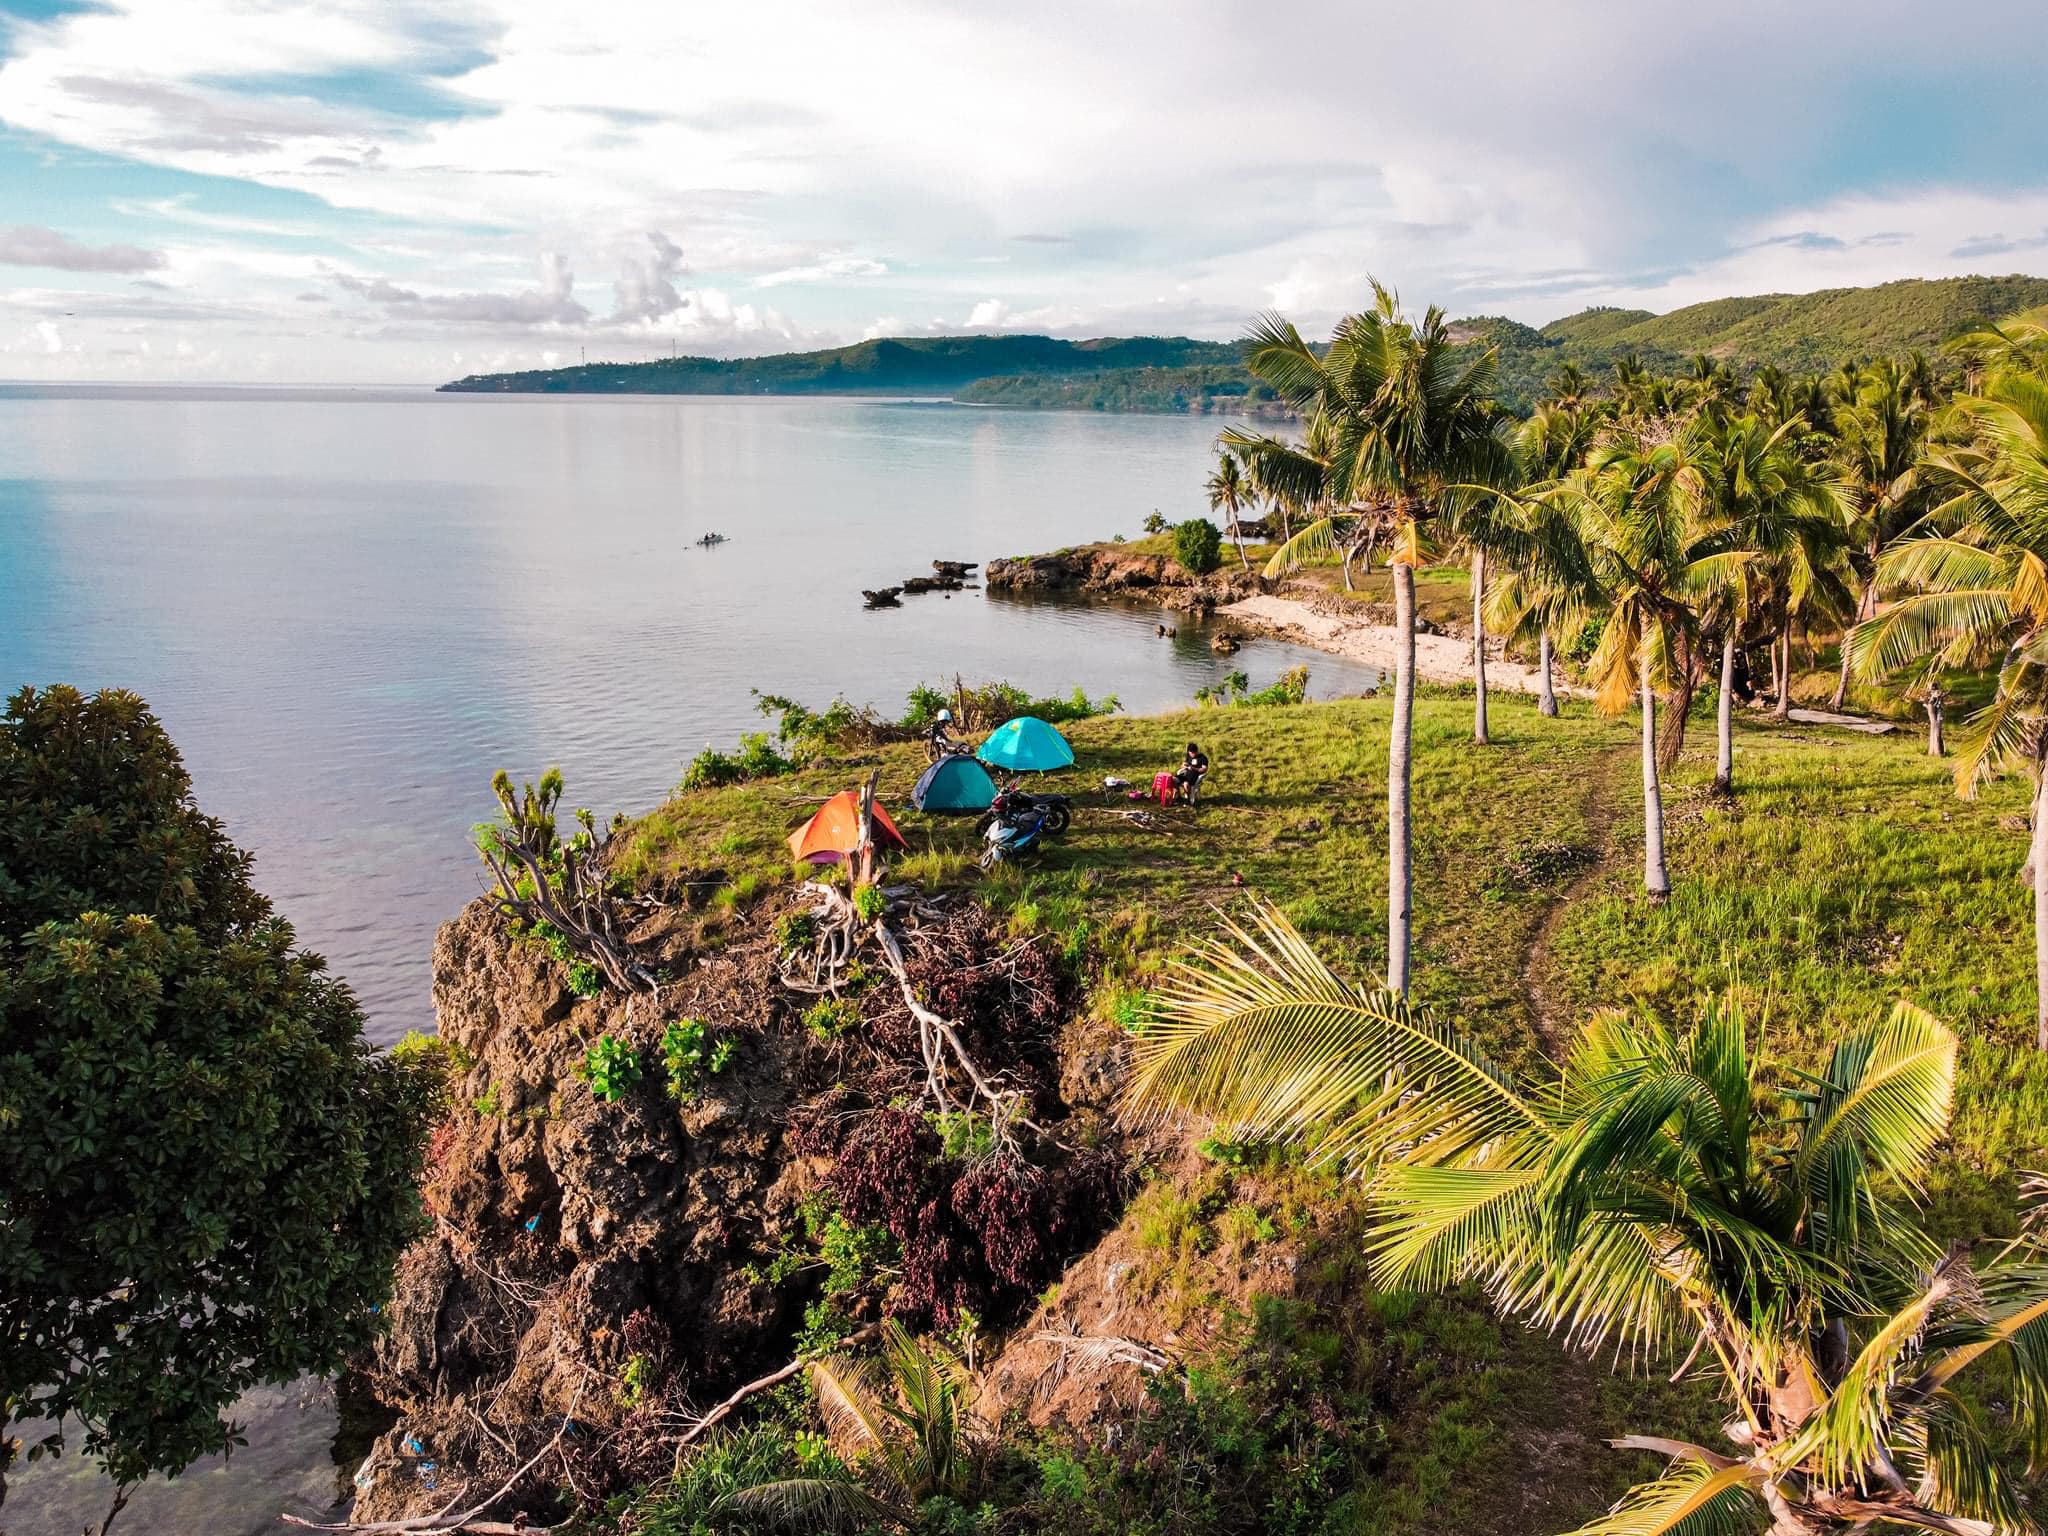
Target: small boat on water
710, 539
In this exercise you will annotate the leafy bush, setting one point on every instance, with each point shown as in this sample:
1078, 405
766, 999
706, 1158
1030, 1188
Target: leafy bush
687, 1053
191, 1123
830, 1017
1154, 523
611, 1067
755, 758
1198, 545
869, 902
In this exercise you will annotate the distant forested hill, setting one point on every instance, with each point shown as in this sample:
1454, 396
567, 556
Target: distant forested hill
911, 365
1800, 333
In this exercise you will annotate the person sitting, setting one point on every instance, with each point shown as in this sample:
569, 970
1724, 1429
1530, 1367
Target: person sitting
1194, 767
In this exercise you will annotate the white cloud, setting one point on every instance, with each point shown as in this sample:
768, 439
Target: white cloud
32, 245
824, 271
53, 339
1109, 156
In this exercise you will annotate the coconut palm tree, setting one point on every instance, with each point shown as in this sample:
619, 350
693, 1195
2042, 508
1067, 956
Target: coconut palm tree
1630, 505
1771, 520
1976, 592
1880, 434
1658, 1191
1408, 417
1228, 490
1543, 594
904, 1414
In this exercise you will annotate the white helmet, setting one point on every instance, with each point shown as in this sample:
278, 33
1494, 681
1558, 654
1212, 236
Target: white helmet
945, 717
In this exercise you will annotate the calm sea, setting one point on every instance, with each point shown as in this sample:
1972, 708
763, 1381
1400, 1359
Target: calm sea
352, 607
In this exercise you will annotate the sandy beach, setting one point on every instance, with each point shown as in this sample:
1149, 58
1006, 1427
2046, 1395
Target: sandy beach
1438, 658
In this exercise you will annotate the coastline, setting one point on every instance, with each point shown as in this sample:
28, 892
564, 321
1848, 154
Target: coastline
1439, 658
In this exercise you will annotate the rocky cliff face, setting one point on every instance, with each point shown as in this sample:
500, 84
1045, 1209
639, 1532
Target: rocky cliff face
608, 1263
570, 1235
1112, 570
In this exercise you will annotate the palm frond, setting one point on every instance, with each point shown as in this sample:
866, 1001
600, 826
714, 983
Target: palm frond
831, 1504
1690, 1499
1260, 1033
1880, 1107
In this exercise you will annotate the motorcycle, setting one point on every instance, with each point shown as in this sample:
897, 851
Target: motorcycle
1011, 800
939, 743
1011, 837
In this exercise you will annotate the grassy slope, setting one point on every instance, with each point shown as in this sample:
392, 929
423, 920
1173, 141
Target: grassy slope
1846, 874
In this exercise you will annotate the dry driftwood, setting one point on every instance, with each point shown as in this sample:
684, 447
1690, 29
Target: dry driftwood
470, 1519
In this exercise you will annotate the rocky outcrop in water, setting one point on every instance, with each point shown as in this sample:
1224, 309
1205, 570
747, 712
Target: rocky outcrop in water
1111, 570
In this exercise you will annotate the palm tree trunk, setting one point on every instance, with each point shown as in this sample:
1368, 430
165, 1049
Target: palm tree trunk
1724, 718
1655, 881
2041, 906
1936, 746
1784, 709
1400, 872
1349, 551
1546, 697
1478, 647
1237, 534
1866, 608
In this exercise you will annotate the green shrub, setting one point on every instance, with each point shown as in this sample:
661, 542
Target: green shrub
869, 902
1198, 546
688, 1053
755, 758
830, 1017
611, 1067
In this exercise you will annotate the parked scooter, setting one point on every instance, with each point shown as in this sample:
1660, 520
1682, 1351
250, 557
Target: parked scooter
1011, 837
1012, 801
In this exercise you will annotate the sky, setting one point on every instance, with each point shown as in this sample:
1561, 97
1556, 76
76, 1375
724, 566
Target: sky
388, 192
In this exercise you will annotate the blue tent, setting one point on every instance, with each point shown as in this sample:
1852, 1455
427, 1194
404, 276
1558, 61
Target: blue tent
955, 782
1026, 745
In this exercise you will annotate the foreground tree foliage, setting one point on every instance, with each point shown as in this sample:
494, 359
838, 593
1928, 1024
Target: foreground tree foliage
1658, 1193
208, 1174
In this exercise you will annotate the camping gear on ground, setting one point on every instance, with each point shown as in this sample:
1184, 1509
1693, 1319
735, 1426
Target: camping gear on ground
1112, 783
1011, 801
955, 782
1026, 745
1011, 837
1162, 788
832, 835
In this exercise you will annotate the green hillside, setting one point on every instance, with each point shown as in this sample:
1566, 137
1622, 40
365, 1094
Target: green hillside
1800, 333
906, 365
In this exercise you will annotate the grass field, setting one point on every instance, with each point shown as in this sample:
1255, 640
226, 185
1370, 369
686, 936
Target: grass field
1845, 873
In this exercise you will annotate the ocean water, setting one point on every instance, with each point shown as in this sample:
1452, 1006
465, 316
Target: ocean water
351, 607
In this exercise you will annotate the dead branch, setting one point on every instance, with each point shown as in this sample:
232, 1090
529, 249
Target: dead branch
470, 1519
775, 1378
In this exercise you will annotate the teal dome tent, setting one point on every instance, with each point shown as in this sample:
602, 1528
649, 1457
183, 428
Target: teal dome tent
954, 783
1026, 745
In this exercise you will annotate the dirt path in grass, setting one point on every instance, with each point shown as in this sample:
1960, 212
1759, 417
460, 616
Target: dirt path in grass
1539, 969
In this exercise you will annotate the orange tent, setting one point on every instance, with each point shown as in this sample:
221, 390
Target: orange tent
834, 833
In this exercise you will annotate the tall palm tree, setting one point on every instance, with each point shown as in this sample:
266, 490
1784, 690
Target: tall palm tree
1880, 434
1630, 505
1657, 1190
1976, 591
1228, 491
1407, 418
905, 1413
1771, 518
1544, 591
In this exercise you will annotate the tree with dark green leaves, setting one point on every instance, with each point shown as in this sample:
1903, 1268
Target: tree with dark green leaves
209, 1174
